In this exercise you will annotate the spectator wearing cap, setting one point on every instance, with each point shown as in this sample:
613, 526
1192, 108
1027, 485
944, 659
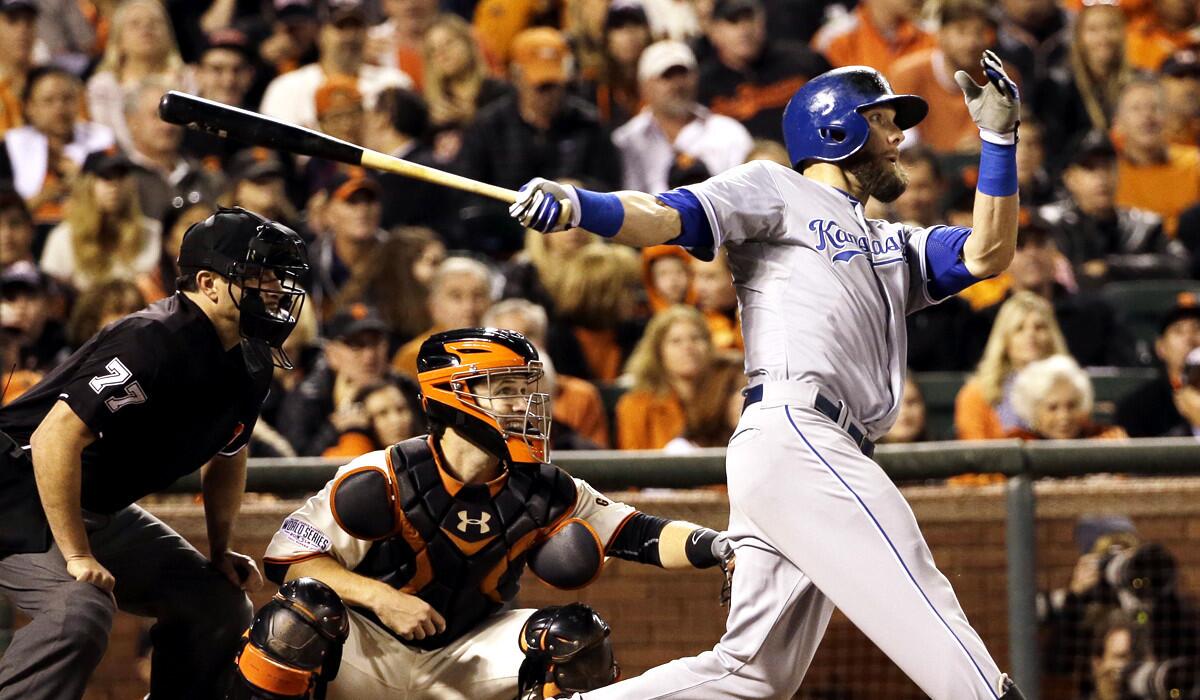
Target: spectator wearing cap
460, 292
965, 29
323, 406
541, 130
1154, 36
164, 174
141, 46
16, 229
1153, 174
876, 34
340, 114
1094, 335
397, 41
456, 82
105, 236
293, 39
258, 182
18, 31
1081, 94
1168, 405
342, 41
227, 71
673, 122
1095, 234
42, 157
614, 87
25, 313
1181, 87
750, 77
350, 215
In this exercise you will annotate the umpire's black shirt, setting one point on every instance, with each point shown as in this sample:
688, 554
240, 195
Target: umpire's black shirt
161, 395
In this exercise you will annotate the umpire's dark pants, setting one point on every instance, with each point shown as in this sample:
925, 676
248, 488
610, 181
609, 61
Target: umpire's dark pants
158, 574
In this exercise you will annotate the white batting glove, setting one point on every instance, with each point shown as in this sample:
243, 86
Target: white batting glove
546, 206
996, 106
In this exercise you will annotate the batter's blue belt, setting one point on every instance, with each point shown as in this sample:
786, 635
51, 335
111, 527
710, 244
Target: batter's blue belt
833, 410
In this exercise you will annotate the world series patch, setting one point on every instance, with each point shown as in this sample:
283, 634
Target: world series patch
305, 535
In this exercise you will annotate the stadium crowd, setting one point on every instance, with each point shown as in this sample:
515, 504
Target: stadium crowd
642, 347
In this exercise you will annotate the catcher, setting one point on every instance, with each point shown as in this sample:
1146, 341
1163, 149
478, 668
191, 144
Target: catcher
398, 572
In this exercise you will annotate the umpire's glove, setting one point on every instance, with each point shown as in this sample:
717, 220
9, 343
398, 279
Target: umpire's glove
995, 106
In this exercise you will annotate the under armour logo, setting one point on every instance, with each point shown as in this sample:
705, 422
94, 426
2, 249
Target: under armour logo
482, 521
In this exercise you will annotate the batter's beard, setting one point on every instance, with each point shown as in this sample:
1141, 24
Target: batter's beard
878, 177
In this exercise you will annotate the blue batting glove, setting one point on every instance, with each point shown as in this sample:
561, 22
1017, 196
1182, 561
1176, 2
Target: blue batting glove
540, 206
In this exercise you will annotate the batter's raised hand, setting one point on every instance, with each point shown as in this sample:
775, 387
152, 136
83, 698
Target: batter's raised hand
546, 206
407, 615
995, 106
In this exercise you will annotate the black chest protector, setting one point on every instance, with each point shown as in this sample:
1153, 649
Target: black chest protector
462, 553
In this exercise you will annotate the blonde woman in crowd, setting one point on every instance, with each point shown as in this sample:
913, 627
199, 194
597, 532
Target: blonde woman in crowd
455, 82
141, 45
597, 297
1054, 398
1081, 95
1024, 332
395, 280
681, 387
105, 236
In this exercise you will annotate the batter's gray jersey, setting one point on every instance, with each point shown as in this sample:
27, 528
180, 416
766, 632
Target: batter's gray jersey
823, 290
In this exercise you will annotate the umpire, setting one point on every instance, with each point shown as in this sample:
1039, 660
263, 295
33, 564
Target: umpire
152, 397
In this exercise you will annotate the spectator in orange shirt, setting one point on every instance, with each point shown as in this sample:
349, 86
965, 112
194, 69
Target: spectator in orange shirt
597, 298
717, 300
965, 29
667, 274
1153, 174
498, 22
18, 30
1082, 95
575, 403
385, 412
1181, 87
1157, 35
1054, 398
396, 42
1024, 332
676, 385
876, 34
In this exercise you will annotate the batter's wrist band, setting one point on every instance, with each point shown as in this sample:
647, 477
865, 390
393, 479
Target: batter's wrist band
699, 549
600, 212
998, 169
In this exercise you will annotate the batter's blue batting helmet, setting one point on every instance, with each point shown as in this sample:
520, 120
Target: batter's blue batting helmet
823, 120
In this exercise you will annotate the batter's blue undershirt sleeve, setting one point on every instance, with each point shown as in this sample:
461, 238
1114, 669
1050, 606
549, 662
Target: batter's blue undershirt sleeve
695, 233
944, 267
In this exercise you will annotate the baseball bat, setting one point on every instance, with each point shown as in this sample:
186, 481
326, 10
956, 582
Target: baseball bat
259, 130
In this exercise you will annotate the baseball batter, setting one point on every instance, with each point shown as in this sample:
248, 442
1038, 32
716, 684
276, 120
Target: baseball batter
823, 293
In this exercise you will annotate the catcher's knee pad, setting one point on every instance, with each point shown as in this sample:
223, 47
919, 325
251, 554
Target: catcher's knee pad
294, 647
567, 650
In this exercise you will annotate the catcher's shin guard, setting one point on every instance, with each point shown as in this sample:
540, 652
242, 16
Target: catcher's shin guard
567, 650
294, 647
